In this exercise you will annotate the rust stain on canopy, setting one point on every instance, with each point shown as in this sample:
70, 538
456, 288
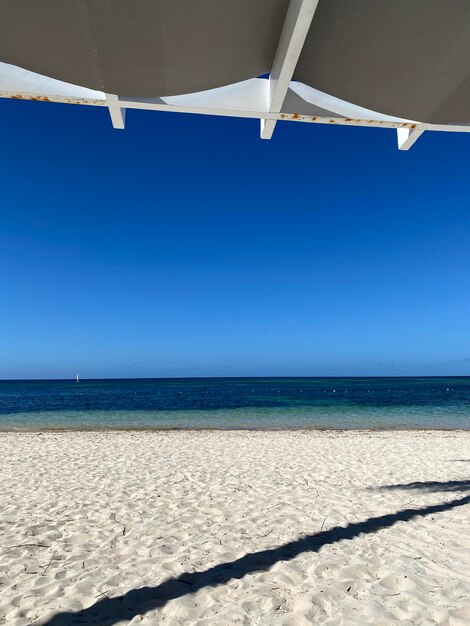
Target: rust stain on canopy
58, 99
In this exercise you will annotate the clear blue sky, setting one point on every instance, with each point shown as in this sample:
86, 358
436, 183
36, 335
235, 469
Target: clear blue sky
185, 245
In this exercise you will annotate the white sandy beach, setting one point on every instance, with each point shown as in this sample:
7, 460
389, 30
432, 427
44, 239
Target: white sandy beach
222, 528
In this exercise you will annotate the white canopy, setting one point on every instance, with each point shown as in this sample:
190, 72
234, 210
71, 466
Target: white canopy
394, 63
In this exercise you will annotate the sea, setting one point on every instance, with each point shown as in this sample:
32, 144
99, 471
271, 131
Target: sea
236, 403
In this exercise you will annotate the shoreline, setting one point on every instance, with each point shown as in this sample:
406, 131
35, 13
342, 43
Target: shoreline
266, 429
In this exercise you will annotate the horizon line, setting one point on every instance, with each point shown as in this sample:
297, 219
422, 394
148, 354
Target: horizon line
381, 376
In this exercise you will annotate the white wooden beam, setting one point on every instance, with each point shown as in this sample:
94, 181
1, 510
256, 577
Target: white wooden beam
159, 104
118, 114
298, 19
407, 137
247, 99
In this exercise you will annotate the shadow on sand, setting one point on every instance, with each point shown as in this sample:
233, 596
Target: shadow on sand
109, 611
432, 486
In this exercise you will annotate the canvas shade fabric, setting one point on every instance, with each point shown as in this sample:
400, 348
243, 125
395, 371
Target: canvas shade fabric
405, 58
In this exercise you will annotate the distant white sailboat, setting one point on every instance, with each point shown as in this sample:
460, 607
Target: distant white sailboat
78, 379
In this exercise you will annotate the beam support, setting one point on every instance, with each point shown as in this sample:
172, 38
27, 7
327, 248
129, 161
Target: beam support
297, 23
406, 137
118, 114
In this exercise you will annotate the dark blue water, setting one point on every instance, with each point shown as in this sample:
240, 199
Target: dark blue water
237, 403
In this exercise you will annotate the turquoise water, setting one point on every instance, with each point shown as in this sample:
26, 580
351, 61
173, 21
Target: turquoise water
253, 403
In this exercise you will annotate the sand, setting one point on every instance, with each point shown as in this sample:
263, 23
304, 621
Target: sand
221, 528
